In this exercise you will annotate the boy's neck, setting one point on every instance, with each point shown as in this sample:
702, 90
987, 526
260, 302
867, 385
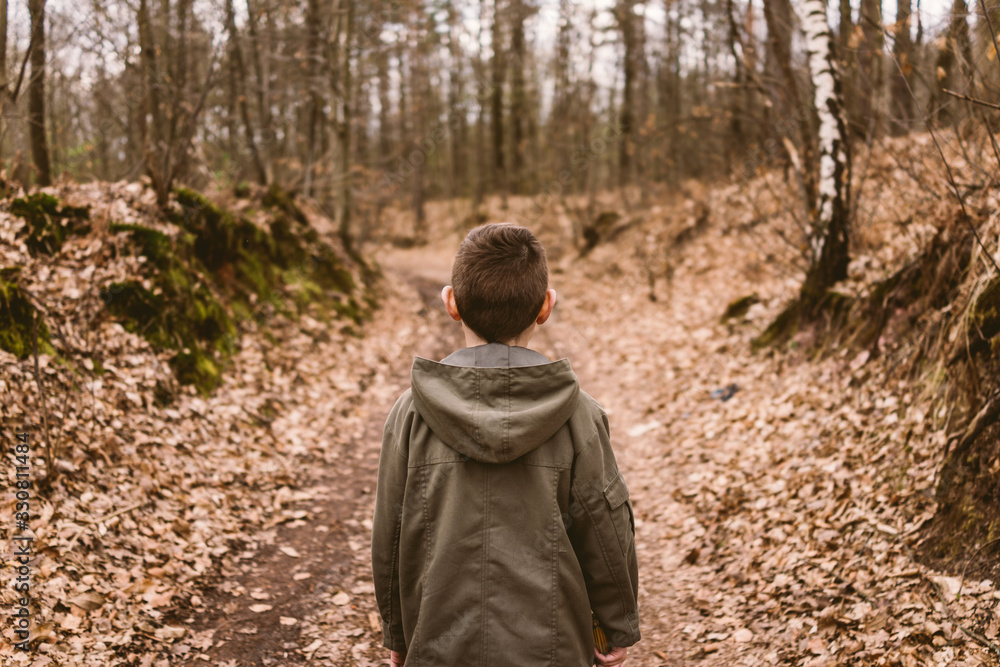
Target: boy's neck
472, 340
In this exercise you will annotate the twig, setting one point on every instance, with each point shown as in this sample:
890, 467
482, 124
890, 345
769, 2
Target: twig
106, 517
981, 640
84, 523
960, 96
49, 460
969, 562
978, 638
13, 95
983, 418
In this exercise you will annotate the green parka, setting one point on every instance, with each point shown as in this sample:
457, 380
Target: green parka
501, 518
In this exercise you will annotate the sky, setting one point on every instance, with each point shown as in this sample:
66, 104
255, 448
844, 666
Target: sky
934, 16
72, 15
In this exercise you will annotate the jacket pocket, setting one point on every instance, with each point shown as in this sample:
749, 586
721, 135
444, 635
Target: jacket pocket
616, 495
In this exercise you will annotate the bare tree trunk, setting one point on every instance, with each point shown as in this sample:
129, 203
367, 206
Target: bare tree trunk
518, 102
180, 61
419, 77
780, 22
261, 52
239, 68
481, 120
902, 51
559, 128
626, 147
846, 27
36, 94
672, 96
739, 103
343, 129
153, 141
5, 85
870, 68
830, 250
456, 106
499, 172
920, 28
315, 108
385, 104
956, 54
848, 58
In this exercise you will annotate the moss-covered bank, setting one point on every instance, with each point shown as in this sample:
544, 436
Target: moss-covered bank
219, 273
49, 222
18, 319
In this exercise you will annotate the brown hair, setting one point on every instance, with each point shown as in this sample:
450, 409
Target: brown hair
500, 277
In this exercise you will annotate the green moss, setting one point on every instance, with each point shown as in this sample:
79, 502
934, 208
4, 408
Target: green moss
17, 319
284, 201
191, 321
196, 368
781, 330
240, 254
49, 223
221, 270
739, 307
835, 308
304, 290
242, 190
153, 244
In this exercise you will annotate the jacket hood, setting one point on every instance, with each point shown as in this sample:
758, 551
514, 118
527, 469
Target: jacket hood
494, 403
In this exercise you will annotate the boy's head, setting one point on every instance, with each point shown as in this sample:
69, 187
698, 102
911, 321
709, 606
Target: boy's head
500, 283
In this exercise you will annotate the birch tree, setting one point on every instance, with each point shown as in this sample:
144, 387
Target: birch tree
831, 209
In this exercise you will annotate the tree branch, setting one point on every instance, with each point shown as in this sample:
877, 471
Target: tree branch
960, 96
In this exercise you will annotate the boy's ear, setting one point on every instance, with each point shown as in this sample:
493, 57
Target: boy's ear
448, 297
547, 306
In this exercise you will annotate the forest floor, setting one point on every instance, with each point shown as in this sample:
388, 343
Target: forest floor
761, 538
778, 495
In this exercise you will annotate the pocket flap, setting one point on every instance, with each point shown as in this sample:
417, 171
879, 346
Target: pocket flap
616, 493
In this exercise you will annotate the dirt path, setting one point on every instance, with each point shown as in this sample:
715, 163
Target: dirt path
312, 574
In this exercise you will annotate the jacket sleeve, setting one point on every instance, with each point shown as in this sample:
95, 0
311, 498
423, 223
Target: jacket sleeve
385, 535
602, 530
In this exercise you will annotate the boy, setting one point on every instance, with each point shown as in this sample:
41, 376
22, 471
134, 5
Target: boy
501, 519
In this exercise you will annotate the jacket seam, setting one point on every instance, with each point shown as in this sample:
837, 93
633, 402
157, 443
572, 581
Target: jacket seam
475, 413
554, 577
546, 465
438, 461
484, 649
422, 464
393, 578
426, 531
506, 422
